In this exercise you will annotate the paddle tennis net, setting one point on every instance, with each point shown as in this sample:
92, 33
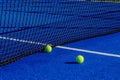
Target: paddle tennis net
26, 26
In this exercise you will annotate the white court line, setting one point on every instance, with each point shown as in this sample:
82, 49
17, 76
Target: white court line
21, 40
89, 51
62, 47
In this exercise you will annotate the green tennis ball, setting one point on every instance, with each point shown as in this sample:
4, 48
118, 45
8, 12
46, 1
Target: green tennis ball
48, 49
79, 59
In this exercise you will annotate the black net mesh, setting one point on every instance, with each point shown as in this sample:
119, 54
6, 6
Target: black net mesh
26, 26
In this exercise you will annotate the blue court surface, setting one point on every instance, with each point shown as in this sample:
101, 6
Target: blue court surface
24, 25
61, 65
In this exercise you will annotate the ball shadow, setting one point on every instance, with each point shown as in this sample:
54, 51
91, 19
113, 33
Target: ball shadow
71, 63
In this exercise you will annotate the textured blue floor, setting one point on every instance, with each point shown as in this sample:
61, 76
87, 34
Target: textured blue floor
60, 64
